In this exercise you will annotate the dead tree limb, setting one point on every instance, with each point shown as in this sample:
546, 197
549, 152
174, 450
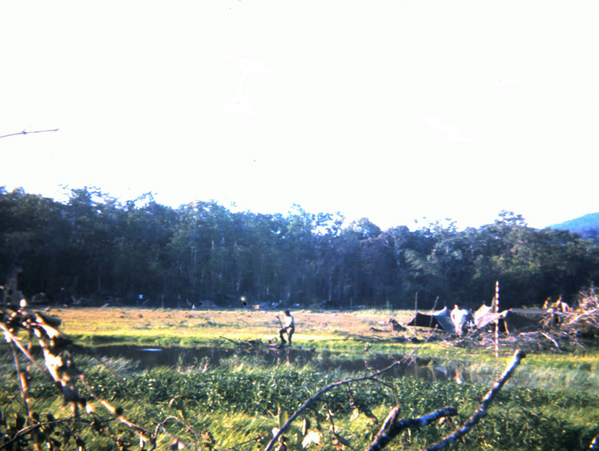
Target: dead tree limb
9, 335
551, 340
393, 425
29, 429
310, 401
481, 412
25, 132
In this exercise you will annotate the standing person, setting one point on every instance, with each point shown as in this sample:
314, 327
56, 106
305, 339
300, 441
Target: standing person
459, 318
288, 327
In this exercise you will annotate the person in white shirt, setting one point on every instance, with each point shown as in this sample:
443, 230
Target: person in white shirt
288, 327
459, 318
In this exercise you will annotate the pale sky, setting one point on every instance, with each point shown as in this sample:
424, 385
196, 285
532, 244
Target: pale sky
390, 110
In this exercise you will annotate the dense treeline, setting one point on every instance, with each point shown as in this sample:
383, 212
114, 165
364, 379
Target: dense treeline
95, 247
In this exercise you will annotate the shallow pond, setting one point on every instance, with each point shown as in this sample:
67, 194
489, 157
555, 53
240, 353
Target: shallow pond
212, 357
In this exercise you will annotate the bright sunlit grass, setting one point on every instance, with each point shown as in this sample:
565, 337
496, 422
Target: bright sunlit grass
551, 398
195, 327
321, 330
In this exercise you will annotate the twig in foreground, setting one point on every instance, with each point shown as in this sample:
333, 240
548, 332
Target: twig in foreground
393, 425
25, 132
326, 389
29, 429
481, 412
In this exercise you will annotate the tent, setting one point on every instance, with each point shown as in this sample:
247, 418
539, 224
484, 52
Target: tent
513, 320
485, 316
439, 320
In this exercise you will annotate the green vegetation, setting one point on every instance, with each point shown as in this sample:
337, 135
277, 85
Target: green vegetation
551, 402
168, 327
95, 250
242, 401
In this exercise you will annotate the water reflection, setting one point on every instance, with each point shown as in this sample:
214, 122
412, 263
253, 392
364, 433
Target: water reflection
202, 358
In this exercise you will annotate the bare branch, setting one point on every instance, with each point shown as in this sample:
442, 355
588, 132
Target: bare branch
25, 132
481, 412
309, 402
552, 340
392, 425
16, 341
29, 429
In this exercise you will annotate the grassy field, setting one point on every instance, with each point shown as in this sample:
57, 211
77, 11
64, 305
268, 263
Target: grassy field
551, 402
341, 331
325, 330
181, 327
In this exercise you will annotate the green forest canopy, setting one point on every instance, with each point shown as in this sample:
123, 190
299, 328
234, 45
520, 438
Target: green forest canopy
95, 247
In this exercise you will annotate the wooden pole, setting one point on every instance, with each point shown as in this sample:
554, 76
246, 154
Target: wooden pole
497, 320
416, 304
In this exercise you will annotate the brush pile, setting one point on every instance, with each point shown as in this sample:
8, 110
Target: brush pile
584, 319
562, 329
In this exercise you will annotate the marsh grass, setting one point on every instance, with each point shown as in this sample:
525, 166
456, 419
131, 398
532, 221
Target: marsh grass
324, 331
241, 402
550, 403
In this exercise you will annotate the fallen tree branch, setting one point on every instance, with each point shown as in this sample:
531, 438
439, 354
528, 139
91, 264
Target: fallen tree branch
238, 342
552, 340
584, 315
393, 425
309, 402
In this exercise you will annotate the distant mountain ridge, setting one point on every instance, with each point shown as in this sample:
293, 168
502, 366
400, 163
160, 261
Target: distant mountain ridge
586, 222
